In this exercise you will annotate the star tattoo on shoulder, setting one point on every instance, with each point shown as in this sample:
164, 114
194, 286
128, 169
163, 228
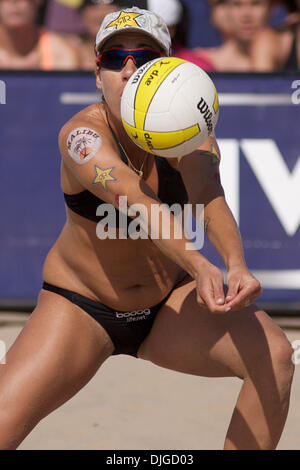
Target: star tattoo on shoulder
104, 176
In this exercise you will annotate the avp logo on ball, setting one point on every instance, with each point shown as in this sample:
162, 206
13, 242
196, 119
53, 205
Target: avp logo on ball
2, 92
152, 76
148, 140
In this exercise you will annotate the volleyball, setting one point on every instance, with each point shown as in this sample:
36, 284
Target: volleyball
169, 107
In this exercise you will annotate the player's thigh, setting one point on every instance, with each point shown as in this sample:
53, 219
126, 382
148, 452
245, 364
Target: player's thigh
58, 351
188, 338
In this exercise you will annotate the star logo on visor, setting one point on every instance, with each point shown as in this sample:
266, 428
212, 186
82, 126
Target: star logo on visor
103, 176
125, 19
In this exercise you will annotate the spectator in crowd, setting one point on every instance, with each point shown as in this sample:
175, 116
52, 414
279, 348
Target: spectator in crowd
246, 18
219, 17
25, 45
92, 14
175, 15
279, 49
173, 12
63, 17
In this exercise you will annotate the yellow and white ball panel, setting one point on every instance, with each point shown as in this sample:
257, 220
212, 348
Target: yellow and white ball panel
160, 111
142, 87
183, 145
129, 93
200, 95
165, 100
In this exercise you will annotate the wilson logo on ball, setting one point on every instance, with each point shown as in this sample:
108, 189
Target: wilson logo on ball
160, 107
207, 114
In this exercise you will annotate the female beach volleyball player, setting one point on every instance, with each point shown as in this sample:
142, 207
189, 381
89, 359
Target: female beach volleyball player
150, 298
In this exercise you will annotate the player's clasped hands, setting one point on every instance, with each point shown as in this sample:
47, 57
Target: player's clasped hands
242, 289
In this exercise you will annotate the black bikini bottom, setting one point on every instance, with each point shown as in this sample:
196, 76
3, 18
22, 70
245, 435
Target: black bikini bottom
127, 330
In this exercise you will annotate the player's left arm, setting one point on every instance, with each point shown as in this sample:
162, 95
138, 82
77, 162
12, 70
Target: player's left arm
200, 173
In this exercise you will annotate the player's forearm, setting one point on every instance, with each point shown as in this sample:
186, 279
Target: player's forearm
168, 233
190, 260
223, 232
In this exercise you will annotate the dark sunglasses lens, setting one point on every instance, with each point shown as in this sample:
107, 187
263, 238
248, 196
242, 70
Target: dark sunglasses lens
112, 60
116, 59
146, 56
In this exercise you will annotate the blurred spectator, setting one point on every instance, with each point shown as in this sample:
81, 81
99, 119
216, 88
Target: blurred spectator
245, 19
201, 31
219, 17
25, 45
279, 49
92, 14
63, 16
143, 4
172, 11
175, 14
293, 9
42, 12
204, 27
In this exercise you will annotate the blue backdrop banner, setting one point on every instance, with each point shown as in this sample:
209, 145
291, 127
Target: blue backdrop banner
259, 139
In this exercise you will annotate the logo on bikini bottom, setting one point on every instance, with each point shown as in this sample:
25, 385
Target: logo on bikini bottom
134, 315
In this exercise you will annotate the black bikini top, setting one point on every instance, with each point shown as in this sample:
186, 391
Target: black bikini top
171, 190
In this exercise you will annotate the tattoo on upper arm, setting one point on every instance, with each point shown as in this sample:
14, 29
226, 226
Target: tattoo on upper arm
83, 144
213, 154
104, 176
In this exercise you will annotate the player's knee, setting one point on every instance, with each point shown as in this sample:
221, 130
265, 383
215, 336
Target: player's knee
273, 360
282, 356
268, 351
273, 345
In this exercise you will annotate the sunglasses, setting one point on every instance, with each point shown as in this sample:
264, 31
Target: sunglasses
116, 59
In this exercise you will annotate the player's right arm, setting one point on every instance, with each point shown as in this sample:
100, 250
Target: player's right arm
92, 157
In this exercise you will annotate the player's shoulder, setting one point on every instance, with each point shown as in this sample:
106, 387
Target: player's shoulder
85, 130
88, 121
210, 146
